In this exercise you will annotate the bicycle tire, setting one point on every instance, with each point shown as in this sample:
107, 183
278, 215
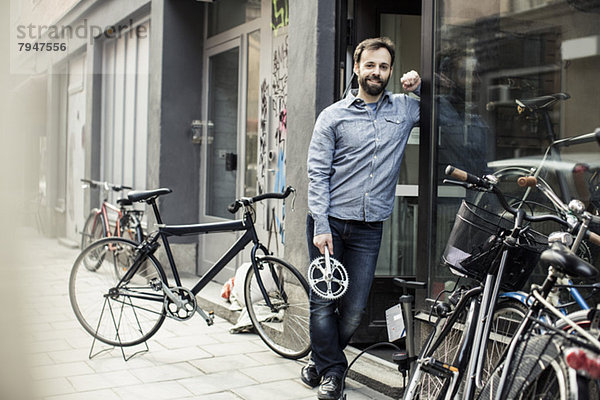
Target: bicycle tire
507, 177
93, 230
114, 315
538, 371
284, 329
508, 315
424, 385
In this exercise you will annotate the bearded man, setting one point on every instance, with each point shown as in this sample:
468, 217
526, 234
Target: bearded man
353, 163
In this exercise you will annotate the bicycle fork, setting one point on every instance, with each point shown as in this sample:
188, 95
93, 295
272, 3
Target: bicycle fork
482, 333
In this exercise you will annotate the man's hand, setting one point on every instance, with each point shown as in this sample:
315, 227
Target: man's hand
410, 81
324, 239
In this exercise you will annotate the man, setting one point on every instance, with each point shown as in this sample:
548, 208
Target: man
353, 162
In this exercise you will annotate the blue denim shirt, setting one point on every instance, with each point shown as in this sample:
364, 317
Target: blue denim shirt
354, 158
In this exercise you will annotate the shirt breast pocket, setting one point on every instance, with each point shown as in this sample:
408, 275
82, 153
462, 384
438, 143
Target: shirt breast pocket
352, 134
394, 126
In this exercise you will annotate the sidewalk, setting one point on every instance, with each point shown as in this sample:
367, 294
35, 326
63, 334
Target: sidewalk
187, 360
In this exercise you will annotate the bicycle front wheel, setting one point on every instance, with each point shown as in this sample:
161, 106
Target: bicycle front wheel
118, 313
508, 315
537, 371
283, 325
426, 381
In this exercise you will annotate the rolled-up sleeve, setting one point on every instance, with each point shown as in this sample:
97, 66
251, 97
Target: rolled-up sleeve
319, 165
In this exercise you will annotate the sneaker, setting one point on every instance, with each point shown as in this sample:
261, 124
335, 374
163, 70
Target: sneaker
331, 388
309, 374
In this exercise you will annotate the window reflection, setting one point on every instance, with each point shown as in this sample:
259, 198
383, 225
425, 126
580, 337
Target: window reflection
487, 55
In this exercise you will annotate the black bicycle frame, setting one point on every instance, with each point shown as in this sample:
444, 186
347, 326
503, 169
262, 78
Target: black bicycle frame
164, 231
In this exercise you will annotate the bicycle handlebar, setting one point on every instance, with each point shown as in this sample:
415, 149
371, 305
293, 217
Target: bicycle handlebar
246, 201
484, 183
96, 184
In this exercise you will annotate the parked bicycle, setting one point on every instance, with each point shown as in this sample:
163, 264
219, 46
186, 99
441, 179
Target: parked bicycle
127, 296
471, 332
537, 366
120, 220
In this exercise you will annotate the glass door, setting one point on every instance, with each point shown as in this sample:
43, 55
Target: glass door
222, 131
222, 125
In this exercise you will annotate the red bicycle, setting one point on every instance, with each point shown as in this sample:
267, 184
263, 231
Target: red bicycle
120, 220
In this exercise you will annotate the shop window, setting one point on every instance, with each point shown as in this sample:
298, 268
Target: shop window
488, 54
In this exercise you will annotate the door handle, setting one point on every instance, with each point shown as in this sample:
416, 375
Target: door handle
230, 161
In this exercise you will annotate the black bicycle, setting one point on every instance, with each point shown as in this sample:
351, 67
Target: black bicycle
126, 297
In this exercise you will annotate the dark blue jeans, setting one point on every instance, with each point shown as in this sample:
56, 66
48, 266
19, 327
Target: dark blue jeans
332, 322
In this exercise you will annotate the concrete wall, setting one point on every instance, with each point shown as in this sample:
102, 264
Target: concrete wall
174, 101
310, 89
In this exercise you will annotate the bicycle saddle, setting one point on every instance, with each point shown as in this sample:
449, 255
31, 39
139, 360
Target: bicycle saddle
542, 102
145, 195
124, 202
562, 258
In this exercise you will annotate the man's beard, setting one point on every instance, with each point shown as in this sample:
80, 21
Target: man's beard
374, 87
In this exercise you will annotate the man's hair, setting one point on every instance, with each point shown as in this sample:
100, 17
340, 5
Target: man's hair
374, 44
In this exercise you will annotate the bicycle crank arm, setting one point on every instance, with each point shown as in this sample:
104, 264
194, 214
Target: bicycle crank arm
210, 318
178, 302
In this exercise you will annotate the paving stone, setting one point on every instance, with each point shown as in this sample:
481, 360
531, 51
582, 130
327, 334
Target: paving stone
271, 373
52, 387
224, 363
152, 391
224, 349
105, 394
176, 355
218, 382
60, 370
166, 372
104, 380
281, 390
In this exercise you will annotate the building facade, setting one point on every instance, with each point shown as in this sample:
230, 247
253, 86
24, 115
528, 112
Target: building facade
217, 100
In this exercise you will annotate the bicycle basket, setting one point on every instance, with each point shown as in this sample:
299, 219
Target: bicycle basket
474, 247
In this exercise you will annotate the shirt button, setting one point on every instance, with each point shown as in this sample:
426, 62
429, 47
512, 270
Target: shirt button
370, 176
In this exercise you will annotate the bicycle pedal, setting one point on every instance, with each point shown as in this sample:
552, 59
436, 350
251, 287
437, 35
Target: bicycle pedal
210, 320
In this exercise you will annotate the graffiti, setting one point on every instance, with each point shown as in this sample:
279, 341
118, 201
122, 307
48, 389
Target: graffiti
279, 14
279, 86
279, 89
263, 156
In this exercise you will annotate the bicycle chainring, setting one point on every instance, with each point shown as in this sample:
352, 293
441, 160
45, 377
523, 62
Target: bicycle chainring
186, 309
328, 286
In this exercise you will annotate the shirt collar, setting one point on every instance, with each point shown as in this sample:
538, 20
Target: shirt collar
351, 98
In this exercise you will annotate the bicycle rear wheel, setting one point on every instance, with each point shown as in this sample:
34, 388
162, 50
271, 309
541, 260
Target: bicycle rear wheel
93, 229
284, 326
131, 228
117, 313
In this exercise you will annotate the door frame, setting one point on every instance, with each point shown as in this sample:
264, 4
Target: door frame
240, 140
